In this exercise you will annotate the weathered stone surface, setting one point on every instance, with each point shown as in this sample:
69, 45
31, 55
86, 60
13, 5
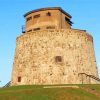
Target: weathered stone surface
36, 59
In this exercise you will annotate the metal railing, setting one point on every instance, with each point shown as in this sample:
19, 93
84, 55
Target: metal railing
89, 76
7, 85
23, 29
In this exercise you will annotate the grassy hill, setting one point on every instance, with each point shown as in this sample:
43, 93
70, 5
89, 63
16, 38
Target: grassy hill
38, 92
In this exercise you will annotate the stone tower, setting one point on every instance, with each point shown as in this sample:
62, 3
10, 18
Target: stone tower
50, 52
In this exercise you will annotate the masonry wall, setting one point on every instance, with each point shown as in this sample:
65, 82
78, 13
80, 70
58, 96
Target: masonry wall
56, 20
53, 57
64, 24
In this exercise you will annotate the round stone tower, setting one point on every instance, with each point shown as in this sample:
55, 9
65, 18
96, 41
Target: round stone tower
50, 52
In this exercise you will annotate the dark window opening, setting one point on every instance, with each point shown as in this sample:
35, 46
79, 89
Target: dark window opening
35, 29
19, 79
29, 31
68, 21
29, 18
58, 59
50, 27
48, 14
36, 16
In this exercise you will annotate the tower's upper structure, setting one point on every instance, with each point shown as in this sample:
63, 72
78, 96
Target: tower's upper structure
47, 18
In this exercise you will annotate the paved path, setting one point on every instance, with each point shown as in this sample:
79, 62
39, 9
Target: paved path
61, 87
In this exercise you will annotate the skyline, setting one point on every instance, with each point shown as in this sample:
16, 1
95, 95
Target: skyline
85, 15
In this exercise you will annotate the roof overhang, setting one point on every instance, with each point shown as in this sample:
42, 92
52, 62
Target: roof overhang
49, 8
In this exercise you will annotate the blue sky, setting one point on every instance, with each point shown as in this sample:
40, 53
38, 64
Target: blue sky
85, 15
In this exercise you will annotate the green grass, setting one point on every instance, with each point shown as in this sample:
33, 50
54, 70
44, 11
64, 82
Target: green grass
94, 86
37, 92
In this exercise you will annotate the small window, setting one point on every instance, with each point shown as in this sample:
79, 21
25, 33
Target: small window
29, 18
29, 31
68, 21
50, 27
19, 79
36, 16
58, 59
48, 14
35, 29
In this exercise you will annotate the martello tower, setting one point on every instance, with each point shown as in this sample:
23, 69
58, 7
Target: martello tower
50, 52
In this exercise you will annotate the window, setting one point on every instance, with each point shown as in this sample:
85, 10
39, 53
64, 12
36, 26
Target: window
35, 29
36, 16
29, 18
58, 59
50, 27
29, 31
19, 79
48, 14
68, 21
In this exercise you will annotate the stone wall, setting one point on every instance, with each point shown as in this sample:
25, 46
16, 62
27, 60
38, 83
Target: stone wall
53, 57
